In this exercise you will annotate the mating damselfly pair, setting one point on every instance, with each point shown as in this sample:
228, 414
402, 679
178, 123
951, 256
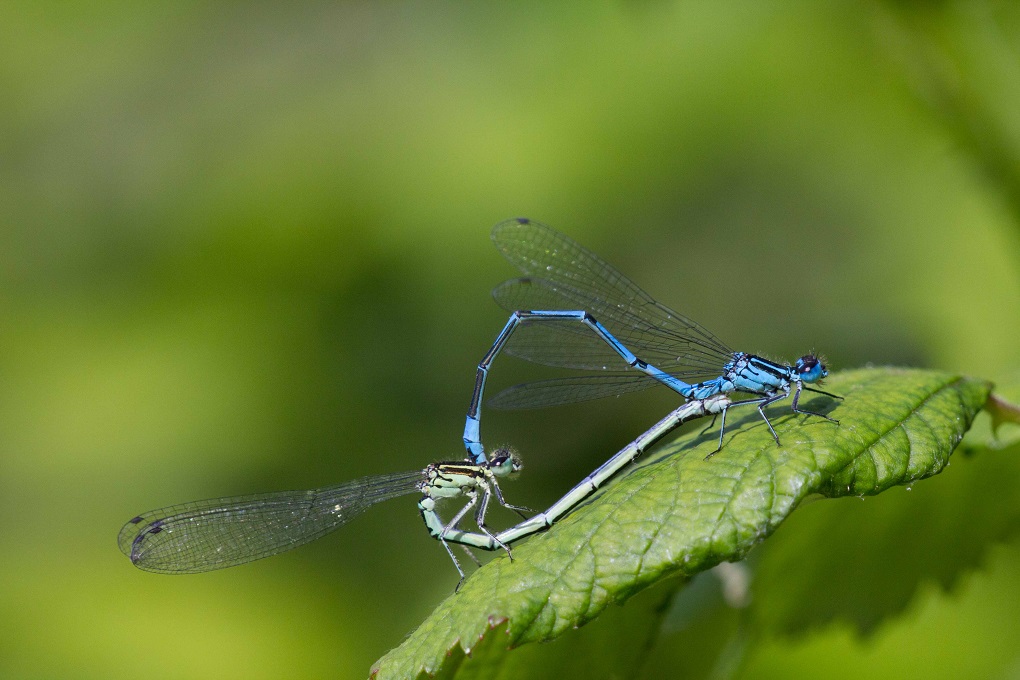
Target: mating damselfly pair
571, 309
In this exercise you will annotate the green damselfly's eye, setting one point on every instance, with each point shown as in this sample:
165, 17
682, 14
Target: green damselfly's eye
505, 461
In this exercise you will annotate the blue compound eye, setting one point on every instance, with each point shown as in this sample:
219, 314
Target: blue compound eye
810, 368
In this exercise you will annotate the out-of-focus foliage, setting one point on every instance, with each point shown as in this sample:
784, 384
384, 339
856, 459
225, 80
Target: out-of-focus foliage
244, 247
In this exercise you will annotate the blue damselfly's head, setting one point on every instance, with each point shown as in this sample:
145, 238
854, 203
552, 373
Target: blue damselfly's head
810, 368
505, 462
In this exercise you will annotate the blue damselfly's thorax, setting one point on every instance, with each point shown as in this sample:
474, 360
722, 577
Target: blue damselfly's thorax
752, 373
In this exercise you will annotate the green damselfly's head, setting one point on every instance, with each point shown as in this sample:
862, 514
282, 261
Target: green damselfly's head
810, 368
505, 462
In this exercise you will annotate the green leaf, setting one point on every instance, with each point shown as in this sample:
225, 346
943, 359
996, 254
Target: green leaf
842, 551
680, 513
1002, 428
614, 645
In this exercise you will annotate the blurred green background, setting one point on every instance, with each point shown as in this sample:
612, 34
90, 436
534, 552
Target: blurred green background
245, 248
